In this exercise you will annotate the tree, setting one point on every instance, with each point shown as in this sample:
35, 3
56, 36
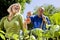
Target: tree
49, 10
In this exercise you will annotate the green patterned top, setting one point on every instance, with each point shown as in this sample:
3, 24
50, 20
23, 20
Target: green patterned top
13, 26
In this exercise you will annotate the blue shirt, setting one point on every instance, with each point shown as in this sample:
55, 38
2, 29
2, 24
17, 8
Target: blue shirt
38, 21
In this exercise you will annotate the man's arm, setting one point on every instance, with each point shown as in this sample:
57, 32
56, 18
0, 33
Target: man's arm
46, 20
32, 19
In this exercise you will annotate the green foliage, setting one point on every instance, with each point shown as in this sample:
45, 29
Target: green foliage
37, 32
55, 18
2, 31
1, 34
32, 37
53, 32
15, 36
50, 9
53, 14
23, 2
35, 10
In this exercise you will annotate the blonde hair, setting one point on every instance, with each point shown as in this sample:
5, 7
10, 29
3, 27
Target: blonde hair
10, 8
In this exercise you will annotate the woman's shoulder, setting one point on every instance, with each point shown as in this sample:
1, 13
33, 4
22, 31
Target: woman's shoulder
20, 16
3, 18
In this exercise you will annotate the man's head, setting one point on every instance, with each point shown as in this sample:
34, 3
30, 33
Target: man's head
40, 11
29, 13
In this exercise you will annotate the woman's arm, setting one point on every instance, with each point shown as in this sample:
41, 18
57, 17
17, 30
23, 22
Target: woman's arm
22, 23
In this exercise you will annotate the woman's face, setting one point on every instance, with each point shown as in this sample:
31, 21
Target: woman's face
15, 9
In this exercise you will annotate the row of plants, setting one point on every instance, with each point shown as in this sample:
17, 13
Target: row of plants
38, 34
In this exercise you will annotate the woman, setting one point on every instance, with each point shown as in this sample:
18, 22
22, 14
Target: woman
13, 22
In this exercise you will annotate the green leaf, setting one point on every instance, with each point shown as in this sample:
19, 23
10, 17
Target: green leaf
15, 36
2, 36
2, 31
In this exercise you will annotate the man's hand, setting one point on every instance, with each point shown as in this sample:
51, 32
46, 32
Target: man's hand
28, 20
44, 19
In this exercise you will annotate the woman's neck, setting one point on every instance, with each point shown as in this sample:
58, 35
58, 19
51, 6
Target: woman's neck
11, 14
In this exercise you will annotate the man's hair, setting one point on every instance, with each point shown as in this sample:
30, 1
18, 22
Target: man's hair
41, 8
29, 12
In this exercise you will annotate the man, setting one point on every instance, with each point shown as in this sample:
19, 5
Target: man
39, 20
28, 21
